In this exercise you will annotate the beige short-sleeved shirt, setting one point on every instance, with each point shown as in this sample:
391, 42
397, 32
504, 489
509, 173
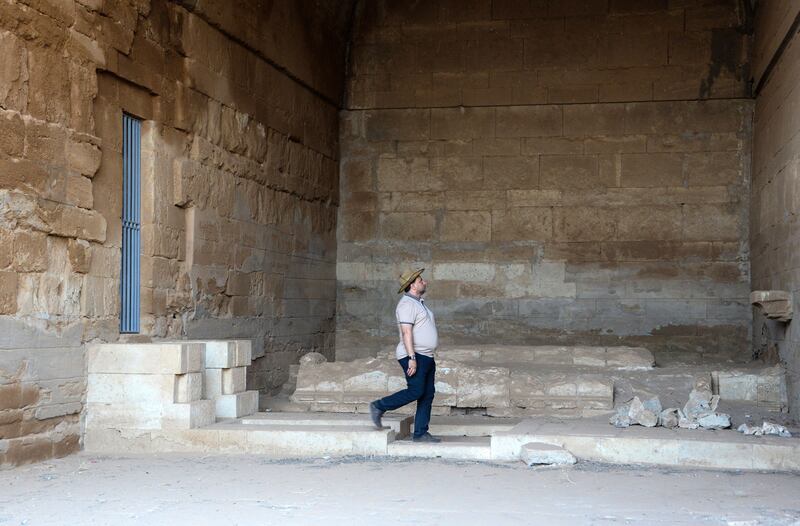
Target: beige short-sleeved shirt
412, 311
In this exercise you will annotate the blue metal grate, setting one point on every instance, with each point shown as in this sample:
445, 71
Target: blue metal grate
131, 224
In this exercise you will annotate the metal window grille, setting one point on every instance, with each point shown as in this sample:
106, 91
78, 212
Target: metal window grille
131, 223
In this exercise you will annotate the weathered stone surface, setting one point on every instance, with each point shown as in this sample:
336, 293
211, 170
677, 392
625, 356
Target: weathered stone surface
535, 453
312, 358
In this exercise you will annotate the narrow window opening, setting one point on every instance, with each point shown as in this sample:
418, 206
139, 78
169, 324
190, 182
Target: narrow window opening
131, 224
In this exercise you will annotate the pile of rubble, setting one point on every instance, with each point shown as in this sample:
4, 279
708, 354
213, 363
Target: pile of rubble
700, 411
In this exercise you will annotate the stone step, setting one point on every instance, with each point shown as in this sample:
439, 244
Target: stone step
597, 441
453, 448
286, 441
398, 423
470, 425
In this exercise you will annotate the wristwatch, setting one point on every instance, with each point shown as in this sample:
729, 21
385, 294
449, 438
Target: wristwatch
414, 358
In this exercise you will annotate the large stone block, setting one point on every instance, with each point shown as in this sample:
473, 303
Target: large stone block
529, 121
14, 72
467, 226
594, 119
8, 292
236, 405
12, 134
224, 354
383, 125
408, 226
511, 172
198, 413
157, 359
573, 172
134, 390
650, 223
522, 224
188, 387
462, 123
645, 170
586, 224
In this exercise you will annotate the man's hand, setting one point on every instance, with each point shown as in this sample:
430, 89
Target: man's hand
408, 341
412, 367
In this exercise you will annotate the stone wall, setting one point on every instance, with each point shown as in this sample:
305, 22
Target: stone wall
566, 171
774, 226
239, 193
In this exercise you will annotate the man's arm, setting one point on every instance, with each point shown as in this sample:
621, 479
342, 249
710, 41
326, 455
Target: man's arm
408, 341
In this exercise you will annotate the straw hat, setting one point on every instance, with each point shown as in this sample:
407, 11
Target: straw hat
408, 277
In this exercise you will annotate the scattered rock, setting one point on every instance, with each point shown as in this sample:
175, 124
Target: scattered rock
312, 358
540, 453
685, 422
642, 416
700, 411
668, 418
699, 402
749, 430
768, 428
621, 418
652, 404
713, 420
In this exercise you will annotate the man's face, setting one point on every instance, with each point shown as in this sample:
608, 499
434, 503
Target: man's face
419, 285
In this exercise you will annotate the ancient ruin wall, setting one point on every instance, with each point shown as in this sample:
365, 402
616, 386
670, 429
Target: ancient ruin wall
774, 226
565, 171
239, 104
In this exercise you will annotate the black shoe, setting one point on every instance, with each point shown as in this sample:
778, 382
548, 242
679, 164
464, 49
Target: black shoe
427, 437
376, 415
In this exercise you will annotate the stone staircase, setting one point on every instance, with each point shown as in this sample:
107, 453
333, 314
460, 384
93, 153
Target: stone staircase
189, 397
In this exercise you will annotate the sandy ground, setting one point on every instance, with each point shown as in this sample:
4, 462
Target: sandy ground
237, 490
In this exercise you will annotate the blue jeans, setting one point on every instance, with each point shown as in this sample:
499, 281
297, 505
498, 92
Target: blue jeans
420, 389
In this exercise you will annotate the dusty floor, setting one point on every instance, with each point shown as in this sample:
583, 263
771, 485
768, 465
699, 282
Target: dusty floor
176, 490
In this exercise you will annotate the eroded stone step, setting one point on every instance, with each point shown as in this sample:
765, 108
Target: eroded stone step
400, 424
596, 440
453, 448
286, 441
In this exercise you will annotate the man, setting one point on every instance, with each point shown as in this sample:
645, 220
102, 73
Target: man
418, 340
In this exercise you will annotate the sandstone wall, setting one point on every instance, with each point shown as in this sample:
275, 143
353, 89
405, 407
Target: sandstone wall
565, 170
239, 192
774, 227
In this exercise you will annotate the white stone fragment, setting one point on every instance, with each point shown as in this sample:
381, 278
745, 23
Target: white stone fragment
768, 428
534, 453
749, 430
714, 420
